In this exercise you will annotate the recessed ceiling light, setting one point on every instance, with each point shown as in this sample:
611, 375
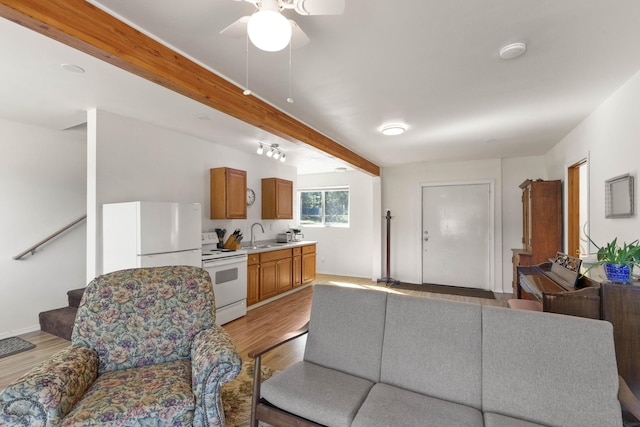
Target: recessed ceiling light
203, 117
513, 50
391, 130
341, 169
72, 68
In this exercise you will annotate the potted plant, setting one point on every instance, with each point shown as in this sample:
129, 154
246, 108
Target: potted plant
618, 261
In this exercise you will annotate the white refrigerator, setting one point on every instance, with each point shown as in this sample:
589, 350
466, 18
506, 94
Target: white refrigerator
150, 234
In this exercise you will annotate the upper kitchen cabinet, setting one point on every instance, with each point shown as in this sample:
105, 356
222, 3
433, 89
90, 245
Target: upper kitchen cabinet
277, 198
228, 193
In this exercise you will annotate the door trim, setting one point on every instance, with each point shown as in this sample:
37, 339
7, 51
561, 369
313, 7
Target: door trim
492, 215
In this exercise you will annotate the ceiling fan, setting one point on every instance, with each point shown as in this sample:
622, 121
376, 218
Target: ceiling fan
269, 30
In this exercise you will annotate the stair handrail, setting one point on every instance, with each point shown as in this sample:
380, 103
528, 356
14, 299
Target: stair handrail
33, 248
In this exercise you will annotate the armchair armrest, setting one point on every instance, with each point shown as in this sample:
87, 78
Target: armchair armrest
214, 362
628, 399
45, 394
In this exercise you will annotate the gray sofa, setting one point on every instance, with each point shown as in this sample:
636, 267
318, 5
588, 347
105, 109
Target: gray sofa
374, 358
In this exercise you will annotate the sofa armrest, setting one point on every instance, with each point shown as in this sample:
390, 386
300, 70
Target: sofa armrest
270, 345
257, 372
45, 394
214, 362
628, 399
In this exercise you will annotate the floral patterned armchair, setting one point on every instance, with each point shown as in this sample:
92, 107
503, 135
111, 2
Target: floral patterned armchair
145, 351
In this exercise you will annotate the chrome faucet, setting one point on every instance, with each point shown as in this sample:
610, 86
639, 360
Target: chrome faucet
253, 237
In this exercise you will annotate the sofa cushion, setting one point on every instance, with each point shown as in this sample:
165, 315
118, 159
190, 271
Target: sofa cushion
549, 368
346, 329
434, 347
391, 406
158, 395
319, 394
497, 420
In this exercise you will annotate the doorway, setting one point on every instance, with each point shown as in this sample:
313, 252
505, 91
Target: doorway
578, 209
457, 234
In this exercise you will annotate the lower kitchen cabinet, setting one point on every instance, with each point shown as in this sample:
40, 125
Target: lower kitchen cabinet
297, 267
253, 279
274, 272
308, 264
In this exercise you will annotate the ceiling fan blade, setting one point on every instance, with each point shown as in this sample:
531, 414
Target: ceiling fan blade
298, 37
319, 7
237, 29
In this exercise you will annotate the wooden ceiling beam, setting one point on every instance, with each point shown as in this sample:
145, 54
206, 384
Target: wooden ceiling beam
87, 28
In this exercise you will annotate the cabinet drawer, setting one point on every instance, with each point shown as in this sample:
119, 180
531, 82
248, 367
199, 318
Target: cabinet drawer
274, 255
253, 259
309, 249
297, 251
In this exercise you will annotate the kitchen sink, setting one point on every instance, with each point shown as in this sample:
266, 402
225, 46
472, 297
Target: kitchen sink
268, 245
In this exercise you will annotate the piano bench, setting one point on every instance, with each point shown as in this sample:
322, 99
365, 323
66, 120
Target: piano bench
524, 304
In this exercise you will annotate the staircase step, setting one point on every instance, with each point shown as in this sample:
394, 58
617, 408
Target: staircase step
58, 322
75, 296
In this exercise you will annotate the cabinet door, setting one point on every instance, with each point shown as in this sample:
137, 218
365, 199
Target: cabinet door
236, 194
308, 268
284, 199
253, 282
268, 280
228, 194
284, 275
297, 270
277, 198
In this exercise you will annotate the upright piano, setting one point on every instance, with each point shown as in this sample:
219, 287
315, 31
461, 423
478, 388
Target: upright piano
559, 287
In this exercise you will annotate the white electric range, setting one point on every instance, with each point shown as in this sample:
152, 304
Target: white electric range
228, 271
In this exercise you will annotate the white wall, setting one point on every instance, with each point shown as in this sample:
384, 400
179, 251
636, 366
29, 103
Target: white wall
139, 161
401, 194
42, 187
348, 251
610, 136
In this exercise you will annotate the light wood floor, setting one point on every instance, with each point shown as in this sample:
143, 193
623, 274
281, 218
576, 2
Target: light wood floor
259, 325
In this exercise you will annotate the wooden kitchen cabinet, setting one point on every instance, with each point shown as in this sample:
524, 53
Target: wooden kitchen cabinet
277, 198
275, 273
297, 267
541, 224
228, 193
308, 264
253, 279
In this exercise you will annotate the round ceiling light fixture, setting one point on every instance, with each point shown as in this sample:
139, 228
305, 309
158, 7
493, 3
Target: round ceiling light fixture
513, 50
268, 29
392, 130
72, 68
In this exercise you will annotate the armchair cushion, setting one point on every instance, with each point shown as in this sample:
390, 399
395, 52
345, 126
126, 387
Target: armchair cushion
46, 393
150, 395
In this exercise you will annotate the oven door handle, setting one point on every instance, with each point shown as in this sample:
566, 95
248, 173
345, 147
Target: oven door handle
226, 261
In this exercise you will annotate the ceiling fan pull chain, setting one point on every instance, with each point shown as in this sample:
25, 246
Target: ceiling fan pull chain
247, 91
290, 99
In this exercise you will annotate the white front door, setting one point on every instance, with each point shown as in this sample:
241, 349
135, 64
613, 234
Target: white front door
456, 235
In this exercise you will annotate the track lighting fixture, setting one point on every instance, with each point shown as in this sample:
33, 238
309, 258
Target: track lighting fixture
275, 152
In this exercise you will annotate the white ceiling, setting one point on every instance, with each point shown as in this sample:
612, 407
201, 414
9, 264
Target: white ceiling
431, 64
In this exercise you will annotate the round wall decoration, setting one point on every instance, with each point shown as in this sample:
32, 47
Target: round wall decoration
251, 197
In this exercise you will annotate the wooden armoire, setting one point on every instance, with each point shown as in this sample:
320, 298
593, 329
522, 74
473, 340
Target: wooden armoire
541, 224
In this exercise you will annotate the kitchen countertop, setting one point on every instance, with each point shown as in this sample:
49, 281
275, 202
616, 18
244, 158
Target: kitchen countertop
271, 245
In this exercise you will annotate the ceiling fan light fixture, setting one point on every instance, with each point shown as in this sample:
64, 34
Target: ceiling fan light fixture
269, 30
392, 130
